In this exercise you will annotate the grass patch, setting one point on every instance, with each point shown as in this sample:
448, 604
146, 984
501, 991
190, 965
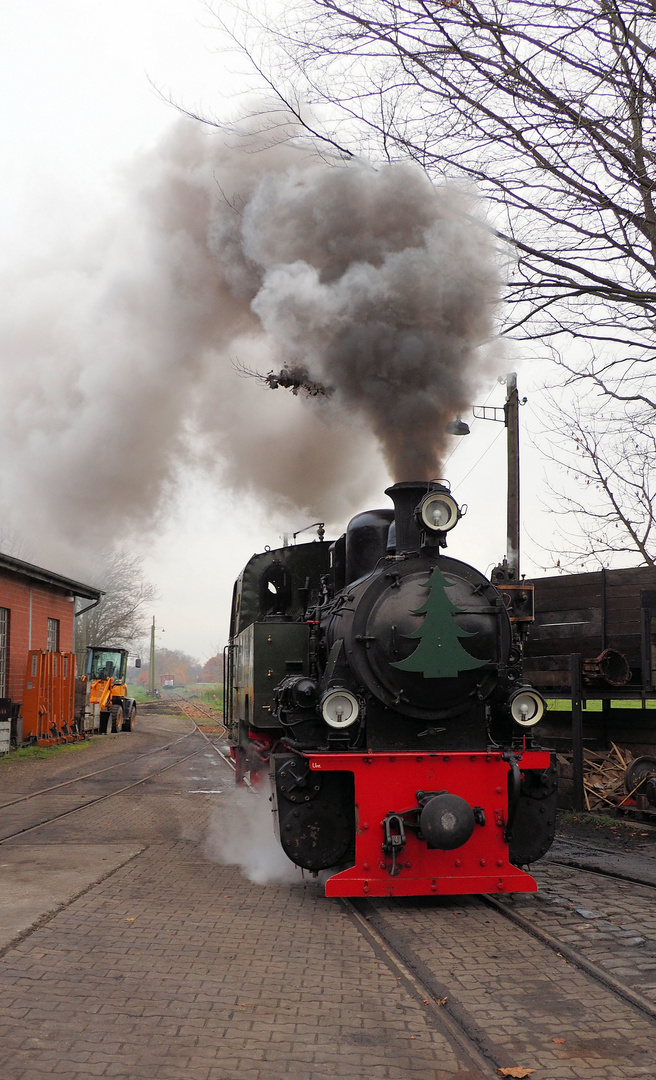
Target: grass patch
565, 705
210, 693
138, 692
36, 753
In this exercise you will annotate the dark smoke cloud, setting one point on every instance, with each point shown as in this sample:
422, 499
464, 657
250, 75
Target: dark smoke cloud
119, 357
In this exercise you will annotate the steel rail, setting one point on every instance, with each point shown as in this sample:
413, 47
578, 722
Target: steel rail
97, 772
633, 997
181, 699
614, 875
99, 799
573, 862
453, 1022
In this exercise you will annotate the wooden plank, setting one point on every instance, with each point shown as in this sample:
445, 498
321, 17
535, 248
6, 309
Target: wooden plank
566, 617
644, 576
553, 662
623, 591
561, 600
547, 680
565, 581
587, 635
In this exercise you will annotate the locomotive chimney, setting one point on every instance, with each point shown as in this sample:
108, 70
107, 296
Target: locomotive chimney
405, 497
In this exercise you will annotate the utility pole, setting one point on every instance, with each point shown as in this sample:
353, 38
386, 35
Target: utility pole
152, 659
509, 416
511, 410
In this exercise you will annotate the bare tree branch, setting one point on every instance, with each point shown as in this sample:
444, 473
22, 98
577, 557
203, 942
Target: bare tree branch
548, 107
119, 619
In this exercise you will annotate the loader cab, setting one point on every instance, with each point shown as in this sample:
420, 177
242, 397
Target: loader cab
107, 664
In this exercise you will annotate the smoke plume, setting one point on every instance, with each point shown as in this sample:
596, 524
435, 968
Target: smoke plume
121, 356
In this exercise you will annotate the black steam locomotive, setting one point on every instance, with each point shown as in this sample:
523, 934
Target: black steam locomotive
379, 683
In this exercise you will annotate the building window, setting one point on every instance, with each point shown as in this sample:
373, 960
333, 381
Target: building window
4, 650
53, 635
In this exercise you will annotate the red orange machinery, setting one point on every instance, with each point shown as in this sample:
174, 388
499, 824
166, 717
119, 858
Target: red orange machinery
49, 697
58, 707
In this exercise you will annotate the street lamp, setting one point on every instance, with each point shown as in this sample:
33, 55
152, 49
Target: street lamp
458, 427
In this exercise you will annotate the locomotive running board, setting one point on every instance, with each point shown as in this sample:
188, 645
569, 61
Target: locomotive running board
387, 783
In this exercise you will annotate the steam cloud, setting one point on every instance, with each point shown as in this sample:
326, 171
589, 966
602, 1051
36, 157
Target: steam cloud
241, 834
119, 356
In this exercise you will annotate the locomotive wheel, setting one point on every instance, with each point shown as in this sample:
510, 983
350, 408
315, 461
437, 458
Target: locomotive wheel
638, 772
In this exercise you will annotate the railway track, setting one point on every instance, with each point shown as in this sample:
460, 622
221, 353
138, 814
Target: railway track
406, 934
575, 956
604, 973
592, 859
39, 800
465, 994
192, 708
93, 773
452, 1023
454, 1020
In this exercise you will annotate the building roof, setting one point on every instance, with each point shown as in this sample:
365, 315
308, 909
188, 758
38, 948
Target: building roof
37, 573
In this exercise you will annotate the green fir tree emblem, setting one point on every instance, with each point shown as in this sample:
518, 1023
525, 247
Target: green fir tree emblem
439, 654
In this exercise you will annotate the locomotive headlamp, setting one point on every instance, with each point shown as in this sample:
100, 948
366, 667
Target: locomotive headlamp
527, 707
438, 512
340, 708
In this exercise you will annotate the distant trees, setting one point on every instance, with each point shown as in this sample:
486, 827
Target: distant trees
213, 669
547, 107
177, 665
169, 663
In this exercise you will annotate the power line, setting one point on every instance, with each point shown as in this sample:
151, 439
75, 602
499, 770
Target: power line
460, 438
486, 451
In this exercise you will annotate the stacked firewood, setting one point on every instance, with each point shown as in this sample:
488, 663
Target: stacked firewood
603, 777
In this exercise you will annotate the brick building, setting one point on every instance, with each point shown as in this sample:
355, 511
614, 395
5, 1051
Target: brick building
37, 611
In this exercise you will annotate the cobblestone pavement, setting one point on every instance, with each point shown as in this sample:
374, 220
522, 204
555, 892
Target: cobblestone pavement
21, 776
177, 967
529, 1006
613, 923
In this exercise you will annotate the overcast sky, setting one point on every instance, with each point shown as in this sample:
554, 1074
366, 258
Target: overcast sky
80, 103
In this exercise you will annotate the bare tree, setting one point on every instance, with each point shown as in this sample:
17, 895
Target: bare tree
609, 513
548, 107
12, 543
119, 619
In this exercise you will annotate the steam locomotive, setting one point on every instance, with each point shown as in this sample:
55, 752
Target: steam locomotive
379, 683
